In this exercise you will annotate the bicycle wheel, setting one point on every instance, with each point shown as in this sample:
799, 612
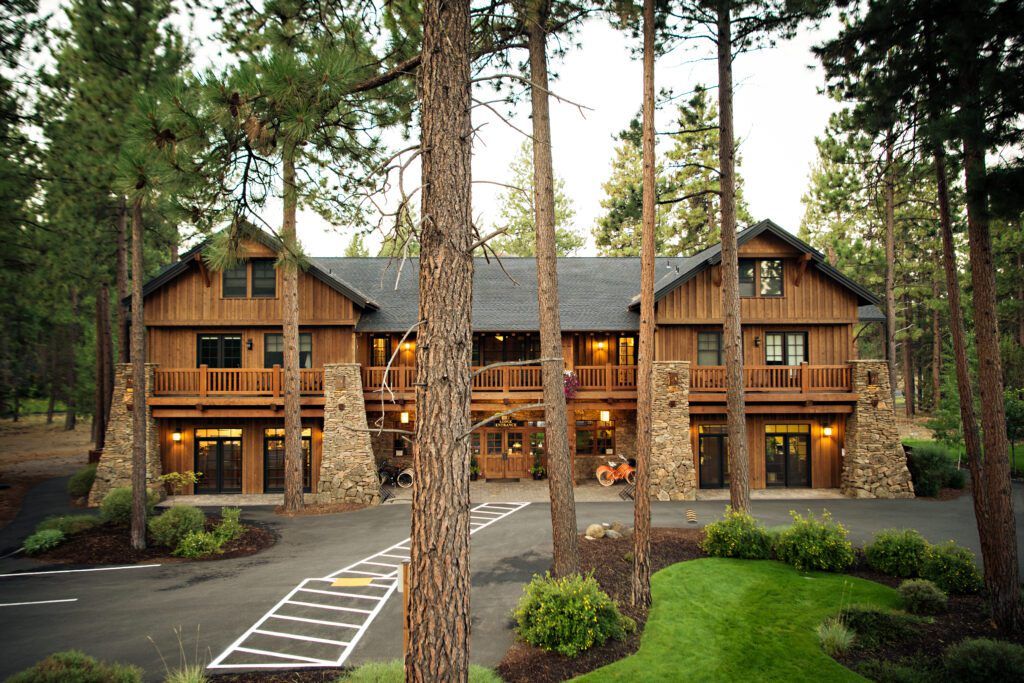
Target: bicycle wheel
605, 477
404, 478
631, 477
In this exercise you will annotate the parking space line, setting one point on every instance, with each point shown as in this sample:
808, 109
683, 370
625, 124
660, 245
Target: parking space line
311, 639
323, 622
344, 595
268, 653
331, 607
37, 602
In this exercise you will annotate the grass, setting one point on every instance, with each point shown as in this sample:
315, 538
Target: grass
958, 452
721, 619
393, 672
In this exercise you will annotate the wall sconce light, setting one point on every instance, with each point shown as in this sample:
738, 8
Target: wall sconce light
600, 345
248, 344
407, 346
757, 340
176, 436
404, 417
827, 431
606, 416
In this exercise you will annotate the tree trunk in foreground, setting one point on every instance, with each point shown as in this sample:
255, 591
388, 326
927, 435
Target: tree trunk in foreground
889, 197
936, 347
138, 353
438, 615
293, 457
103, 366
909, 390
71, 377
739, 464
123, 353
640, 592
556, 440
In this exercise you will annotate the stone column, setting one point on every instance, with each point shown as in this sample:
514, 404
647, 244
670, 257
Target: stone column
115, 465
348, 471
672, 475
874, 463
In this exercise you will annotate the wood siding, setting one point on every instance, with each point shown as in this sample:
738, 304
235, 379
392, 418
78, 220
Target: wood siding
826, 344
176, 347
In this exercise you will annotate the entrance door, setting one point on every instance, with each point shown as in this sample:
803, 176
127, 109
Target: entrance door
505, 454
218, 460
273, 460
713, 449
787, 455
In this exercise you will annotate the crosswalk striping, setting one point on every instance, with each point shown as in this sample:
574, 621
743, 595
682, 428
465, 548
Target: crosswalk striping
307, 631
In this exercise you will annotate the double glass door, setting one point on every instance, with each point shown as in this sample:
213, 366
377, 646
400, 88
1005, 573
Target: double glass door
218, 460
787, 455
713, 447
273, 460
506, 453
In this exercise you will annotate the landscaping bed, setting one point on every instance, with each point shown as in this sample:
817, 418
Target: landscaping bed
611, 561
311, 675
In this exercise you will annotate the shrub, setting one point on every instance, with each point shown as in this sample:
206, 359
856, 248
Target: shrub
921, 596
815, 545
932, 467
44, 540
875, 626
195, 673
897, 552
68, 524
81, 481
902, 671
568, 615
198, 544
230, 526
116, 507
951, 568
835, 638
982, 659
737, 535
73, 666
175, 523
957, 479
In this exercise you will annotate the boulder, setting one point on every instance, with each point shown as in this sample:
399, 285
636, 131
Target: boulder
612, 534
618, 526
595, 531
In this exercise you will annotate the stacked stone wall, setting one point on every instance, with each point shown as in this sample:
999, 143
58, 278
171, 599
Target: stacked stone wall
672, 472
348, 472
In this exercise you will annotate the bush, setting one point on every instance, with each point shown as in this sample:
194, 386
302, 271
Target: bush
68, 524
81, 481
568, 615
815, 545
951, 568
835, 638
44, 540
897, 552
737, 535
195, 673
230, 526
175, 523
875, 626
76, 667
198, 544
921, 596
932, 467
116, 507
982, 659
903, 671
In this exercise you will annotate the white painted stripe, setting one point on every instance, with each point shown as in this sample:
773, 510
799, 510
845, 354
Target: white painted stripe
381, 564
311, 639
37, 602
75, 571
279, 655
324, 622
397, 557
333, 607
379, 576
344, 595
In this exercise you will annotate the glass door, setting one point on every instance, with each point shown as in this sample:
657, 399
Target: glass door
787, 455
713, 451
218, 460
273, 460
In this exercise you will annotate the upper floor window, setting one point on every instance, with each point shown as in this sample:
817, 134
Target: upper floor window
627, 350
234, 282
771, 277
761, 277
264, 278
747, 277
709, 348
380, 348
273, 350
219, 350
785, 348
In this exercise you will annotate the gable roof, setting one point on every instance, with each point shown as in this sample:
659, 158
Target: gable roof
713, 255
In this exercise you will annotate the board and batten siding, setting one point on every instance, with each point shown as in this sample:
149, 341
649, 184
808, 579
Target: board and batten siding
826, 344
176, 347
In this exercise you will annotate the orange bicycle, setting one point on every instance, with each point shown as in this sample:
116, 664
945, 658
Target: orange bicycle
616, 471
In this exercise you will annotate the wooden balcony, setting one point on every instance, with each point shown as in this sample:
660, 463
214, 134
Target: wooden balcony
511, 378
783, 379
205, 382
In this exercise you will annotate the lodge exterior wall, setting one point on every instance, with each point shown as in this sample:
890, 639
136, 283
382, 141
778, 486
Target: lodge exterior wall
672, 471
348, 471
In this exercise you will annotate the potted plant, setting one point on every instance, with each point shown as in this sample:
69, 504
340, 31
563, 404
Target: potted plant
537, 469
474, 470
570, 384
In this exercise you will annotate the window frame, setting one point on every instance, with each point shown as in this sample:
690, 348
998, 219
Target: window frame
220, 337
632, 346
302, 335
781, 277
754, 268
252, 277
786, 360
244, 267
597, 434
717, 334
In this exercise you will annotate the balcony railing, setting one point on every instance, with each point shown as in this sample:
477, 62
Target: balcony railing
778, 378
205, 381
510, 378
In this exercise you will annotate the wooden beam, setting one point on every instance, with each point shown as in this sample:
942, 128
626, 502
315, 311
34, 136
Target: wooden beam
774, 409
716, 275
226, 413
203, 270
804, 260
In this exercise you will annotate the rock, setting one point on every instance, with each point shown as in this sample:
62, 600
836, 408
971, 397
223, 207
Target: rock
618, 526
612, 534
595, 531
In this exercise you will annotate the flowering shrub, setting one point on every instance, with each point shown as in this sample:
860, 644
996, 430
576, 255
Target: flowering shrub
737, 535
951, 568
897, 552
570, 384
568, 615
815, 545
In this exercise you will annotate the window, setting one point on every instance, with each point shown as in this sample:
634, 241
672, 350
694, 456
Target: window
747, 277
627, 350
264, 279
273, 350
785, 348
771, 277
709, 348
595, 438
233, 282
273, 460
219, 350
500, 347
379, 350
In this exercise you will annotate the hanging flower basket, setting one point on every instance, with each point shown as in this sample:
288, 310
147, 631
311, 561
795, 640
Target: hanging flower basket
570, 384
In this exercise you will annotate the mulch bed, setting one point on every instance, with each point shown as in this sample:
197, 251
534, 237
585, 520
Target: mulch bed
110, 544
611, 561
290, 676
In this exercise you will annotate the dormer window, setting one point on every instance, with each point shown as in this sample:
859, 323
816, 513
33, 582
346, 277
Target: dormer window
747, 277
771, 277
235, 281
761, 277
264, 279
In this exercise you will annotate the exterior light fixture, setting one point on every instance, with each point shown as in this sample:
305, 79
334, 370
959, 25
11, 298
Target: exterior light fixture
176, 436
248, 344
408, 346
827, 431
600, 345
606, 416
404, 417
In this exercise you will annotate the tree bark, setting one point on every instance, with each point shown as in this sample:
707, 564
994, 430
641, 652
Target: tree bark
908, 365
556, 440
293, 457
889, 198
739, 464
641, 579
123, 342
439, 582
936, 348
103, 366
138, 355
71, 371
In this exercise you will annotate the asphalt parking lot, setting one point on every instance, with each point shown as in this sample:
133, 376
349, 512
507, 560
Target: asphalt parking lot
135, 614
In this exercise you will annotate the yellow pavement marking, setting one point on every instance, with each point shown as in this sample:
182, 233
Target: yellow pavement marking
340, 583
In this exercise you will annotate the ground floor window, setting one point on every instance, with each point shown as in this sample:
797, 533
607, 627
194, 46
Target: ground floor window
218, 460
713, 456
787, 454
273, 460
595, 438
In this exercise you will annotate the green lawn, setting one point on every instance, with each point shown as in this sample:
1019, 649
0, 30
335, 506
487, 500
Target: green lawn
734, 620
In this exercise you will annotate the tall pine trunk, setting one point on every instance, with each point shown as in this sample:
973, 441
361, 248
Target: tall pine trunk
641, 580
936, 346
908, 364
103, 366
138, 355
71, 369
556, 440
438, 614
293, 457
889, 209
739, 463
123, 343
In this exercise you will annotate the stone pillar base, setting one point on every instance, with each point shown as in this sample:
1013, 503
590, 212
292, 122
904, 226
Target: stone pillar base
874, 465
672, 474
348, 470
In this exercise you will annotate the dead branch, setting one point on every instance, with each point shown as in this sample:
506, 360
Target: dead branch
511, 363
